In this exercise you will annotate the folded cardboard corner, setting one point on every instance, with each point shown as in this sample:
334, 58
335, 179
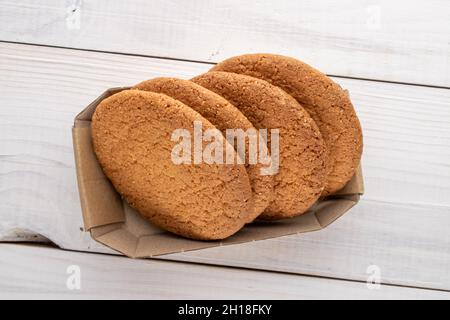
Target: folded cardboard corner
112, 222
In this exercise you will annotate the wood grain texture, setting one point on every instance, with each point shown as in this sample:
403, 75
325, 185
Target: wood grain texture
41, 273
401, 224
405, 41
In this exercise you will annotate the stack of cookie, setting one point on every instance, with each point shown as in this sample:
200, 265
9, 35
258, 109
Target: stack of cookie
136, 132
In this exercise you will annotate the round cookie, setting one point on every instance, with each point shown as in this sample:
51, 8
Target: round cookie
132, 138
327, 103
301, 175
223, 115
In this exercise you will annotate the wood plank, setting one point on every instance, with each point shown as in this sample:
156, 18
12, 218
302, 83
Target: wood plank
405, 40
401, 225
406, 242
41, 273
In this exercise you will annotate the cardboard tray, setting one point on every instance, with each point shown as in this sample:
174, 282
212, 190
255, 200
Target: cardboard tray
112, 222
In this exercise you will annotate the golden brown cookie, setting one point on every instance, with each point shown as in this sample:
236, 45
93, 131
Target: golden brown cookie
327, 103
223, 115
301, 175
132, 135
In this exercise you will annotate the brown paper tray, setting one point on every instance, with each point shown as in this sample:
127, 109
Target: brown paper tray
112, 222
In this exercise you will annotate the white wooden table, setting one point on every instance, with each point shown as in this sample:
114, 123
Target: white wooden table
393, 57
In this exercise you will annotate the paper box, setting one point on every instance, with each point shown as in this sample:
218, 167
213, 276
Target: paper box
112, 222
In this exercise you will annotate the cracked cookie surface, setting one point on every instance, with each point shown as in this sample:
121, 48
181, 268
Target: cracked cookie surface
223, 115
131, 134
326, 102
301, 176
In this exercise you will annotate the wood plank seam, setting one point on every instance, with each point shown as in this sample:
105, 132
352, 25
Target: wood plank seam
210, 63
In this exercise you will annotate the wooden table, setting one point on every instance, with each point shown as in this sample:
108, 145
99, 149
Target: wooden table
393, 57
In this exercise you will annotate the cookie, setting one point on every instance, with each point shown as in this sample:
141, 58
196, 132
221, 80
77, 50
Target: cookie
223, 115
301, 175
327, 103
132, 135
